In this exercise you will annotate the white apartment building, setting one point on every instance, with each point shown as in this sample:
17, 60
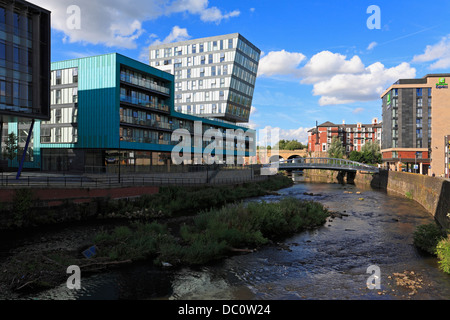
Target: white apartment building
214, 77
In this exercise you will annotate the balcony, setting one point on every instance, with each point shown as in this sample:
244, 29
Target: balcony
143, 84
144, 104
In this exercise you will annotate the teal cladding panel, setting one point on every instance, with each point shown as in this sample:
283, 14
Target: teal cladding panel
98, 102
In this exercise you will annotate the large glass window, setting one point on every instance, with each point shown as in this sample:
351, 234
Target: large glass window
419, 92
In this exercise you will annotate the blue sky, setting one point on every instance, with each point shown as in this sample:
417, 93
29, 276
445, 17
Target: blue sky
320, 61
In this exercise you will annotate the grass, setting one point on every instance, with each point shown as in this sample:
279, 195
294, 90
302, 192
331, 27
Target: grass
182, 201
426, 237
213, 234
443, 254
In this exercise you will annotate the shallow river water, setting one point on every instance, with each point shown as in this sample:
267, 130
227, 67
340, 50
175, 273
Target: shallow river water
328, 263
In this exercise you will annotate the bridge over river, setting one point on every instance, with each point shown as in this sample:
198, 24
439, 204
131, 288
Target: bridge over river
324, 164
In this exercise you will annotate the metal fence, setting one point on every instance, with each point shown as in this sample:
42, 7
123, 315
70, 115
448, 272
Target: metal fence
114, 181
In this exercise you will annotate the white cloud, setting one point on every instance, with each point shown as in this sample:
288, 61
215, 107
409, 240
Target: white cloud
439, 52
335, 78
117, 23
364, 86
326, 64
200, 7
280, 63
177, 34
372, 45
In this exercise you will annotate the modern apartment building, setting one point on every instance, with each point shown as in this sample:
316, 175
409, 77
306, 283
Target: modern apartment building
352, 136
24, 70
416, 114
214, 77
108, 109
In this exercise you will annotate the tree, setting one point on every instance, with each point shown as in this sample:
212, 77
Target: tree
370, 154
11, 147
336, 149
290, 145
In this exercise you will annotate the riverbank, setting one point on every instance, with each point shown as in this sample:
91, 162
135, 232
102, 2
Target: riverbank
165, 230
27, 211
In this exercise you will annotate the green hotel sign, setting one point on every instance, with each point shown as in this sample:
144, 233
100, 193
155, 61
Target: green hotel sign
441, 84
388, 99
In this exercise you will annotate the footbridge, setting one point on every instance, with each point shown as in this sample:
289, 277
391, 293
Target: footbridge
325, 164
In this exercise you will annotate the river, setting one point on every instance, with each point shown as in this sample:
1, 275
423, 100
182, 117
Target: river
328, 263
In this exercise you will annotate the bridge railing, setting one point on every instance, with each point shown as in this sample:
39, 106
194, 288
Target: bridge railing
324, 163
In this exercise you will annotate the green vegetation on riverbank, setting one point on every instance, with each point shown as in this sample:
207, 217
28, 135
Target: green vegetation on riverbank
169, 202
180, 201
212, 234
139, 238
433, 240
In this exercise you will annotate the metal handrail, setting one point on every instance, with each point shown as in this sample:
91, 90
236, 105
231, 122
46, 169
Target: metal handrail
326, 163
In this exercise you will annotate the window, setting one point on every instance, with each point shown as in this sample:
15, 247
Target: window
222, 57
419, 102
75, 95
75, 75
418, 123
45, 135
419, 133
194, 48
57, 135
202, 72
201, 47
419, 112
58, 96
58, 115
230, 43
58, 76
213, 71
419, 92
210, 59
2, 50
188, 73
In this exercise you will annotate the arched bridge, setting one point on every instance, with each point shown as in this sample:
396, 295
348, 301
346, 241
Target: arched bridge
326, 164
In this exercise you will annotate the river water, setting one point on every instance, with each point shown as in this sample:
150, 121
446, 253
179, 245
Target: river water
328, 263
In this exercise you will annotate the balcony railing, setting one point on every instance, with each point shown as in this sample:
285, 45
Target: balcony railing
145, 103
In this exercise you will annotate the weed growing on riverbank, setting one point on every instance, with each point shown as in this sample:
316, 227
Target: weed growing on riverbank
426, 237
433, 240
443, 254
213, 234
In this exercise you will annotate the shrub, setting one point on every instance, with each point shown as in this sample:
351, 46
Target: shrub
443, 254
22, 204
426, 237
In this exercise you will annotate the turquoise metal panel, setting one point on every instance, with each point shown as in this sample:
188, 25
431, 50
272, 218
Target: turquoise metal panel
98, 102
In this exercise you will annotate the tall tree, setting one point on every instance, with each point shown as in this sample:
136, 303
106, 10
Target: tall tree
336, 149
11, 147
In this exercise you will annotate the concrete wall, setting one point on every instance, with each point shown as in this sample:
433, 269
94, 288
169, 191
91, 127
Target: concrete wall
431, 192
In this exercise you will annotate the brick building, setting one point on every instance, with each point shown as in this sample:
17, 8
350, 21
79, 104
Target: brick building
353, 136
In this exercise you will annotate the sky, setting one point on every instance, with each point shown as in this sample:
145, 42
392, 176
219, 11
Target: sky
322, 60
